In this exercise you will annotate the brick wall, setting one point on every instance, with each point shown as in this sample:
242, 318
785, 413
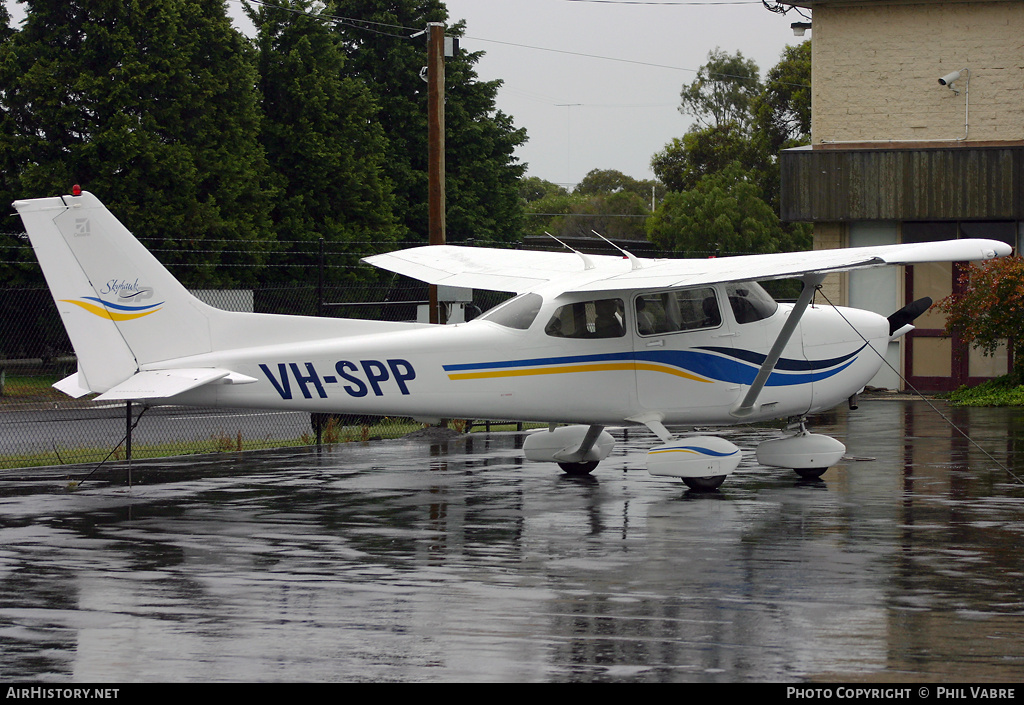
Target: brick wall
876, 70
830, 236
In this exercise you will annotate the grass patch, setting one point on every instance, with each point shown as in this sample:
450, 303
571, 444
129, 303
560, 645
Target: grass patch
82, 455
1007, 390
17, 389
221, 442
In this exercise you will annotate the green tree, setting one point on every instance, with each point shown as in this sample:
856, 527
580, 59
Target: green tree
17, 263
482, 184
739, 131
610, 181
534, 188
322, 141
617, 216
724, 214
723, 92
776, 117
988, 309
782, 110
606, 201
151, 105
703, 151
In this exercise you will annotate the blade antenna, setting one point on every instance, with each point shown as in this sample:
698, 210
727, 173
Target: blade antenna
633, 261
587, 262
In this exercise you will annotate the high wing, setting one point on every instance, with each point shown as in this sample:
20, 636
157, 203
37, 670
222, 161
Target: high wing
520, 271
488, 268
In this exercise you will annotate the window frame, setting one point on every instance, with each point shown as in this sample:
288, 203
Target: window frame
703, 326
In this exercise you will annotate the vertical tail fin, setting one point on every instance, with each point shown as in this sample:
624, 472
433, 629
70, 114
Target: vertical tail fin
122, 309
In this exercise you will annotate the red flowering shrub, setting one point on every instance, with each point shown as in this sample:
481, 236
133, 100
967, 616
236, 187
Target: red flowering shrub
988, 309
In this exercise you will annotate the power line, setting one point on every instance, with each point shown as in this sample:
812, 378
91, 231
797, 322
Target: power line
354, 22
366, 25
652, 2
623, 61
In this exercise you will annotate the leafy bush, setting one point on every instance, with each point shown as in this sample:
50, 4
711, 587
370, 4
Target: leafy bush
1007, 390
987, 308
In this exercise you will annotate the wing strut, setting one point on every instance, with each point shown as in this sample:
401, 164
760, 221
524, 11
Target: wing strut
811, 281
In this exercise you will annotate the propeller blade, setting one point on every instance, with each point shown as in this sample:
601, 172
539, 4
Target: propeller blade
908, 314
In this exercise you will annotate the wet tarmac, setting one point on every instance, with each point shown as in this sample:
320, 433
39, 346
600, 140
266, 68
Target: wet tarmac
420, 561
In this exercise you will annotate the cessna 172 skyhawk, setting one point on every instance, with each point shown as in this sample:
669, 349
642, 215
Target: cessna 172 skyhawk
589, 340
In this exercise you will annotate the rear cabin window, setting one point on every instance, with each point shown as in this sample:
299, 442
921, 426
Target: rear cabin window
676, 311
603, 318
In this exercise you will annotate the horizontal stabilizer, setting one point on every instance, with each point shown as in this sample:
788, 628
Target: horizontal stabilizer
72, 386
159, 384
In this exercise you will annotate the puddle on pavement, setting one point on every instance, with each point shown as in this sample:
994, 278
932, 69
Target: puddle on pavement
460, 561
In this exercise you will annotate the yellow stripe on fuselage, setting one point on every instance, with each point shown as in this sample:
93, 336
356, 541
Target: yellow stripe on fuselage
566, 369
104, 313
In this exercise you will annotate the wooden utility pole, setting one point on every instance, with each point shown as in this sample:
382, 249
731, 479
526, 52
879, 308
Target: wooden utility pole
435, 147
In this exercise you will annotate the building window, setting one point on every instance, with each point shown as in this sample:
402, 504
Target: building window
1007, 231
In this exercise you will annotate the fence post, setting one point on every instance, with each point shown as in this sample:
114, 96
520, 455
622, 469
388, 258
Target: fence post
128, 426
319, 312
320, 280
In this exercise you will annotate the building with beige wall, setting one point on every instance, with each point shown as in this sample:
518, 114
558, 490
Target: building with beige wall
897, 156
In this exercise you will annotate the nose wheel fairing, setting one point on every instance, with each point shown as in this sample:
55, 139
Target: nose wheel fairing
694, 457
809, 454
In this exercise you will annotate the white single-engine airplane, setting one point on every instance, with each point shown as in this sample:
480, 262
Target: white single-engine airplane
589, 340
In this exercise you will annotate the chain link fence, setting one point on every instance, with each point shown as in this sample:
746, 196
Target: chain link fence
41, 426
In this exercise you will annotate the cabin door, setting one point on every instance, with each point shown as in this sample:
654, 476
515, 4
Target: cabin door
679, 339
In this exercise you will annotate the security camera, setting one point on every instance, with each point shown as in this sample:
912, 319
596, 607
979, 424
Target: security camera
949, 78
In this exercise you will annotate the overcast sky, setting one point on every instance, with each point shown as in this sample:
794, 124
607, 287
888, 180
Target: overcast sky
583, 112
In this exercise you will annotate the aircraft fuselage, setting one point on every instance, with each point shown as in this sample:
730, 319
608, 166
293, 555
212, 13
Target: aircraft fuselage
685, 372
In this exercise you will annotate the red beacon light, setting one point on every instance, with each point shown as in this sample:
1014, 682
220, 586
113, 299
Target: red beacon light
76, 190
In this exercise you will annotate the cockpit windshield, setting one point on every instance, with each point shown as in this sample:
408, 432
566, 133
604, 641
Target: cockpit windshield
750, 302
518, 312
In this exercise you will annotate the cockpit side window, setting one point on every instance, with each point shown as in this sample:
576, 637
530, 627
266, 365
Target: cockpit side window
677, 310
603, 318
518, 313
750, 302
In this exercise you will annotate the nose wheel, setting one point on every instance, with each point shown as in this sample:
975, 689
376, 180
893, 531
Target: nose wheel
704, 484
810, 473
578, 468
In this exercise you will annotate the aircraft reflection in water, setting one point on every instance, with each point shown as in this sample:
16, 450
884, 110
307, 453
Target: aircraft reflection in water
589, 340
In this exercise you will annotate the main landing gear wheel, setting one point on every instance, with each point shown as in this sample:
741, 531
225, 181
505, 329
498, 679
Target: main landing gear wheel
810, 473
578, 468
704, 484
